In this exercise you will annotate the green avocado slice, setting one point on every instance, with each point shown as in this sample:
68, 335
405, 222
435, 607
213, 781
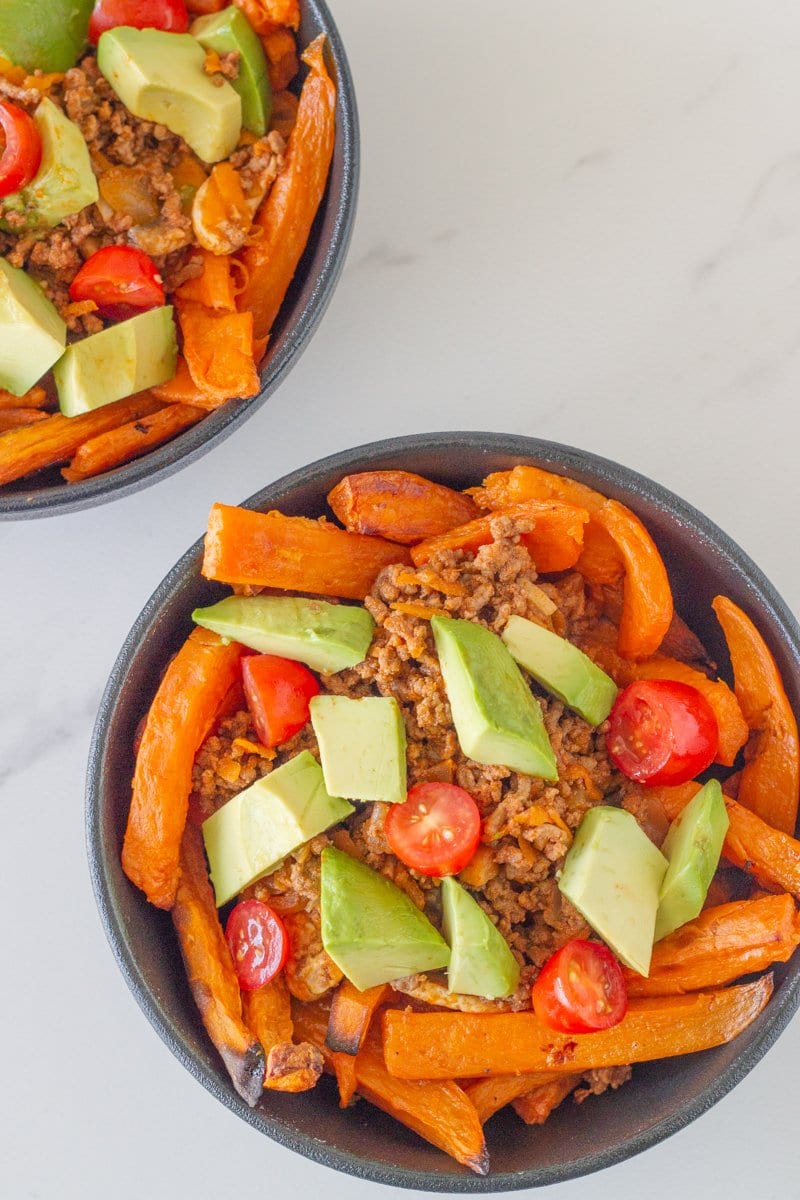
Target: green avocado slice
693, 846
561, 668
230, 30
44, 35
65, 182
481, 962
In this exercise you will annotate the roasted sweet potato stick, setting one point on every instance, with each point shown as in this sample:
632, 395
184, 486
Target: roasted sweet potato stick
210, 970
647, 598
182, 389
13, 418
554, 540
494, 1092
55, 440
351, 1013
771, 857
399, 506
264, 15
282, 61
457, 1045
118, 446
440, 1112
721, 945
535, 1106
770, 783
267, 1013
218, 349
178, 722
35, 398
287, 214
271, 550
214, 287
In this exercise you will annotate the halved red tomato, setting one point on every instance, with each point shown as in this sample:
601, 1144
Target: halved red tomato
169, 15
258, 942
580, 989
122, 281
436, 831
662, 732
21, 155
278, 692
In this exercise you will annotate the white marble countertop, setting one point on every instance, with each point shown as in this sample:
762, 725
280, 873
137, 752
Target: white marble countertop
581, 222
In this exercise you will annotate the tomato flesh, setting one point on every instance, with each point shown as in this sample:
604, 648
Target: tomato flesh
121, 280
436, 831
258, 942
169, 15
278, 692
21, 154
580, 989
662, 732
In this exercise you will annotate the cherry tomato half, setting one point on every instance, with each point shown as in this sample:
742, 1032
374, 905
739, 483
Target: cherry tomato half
436, 831
580, 989
662, 731
21, 155
169, 15
277, 691
258, 942
122, 281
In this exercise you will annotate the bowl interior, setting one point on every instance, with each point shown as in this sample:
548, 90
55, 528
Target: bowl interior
702, 561
309, 293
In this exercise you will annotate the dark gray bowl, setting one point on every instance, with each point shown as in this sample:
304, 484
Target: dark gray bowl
575, 1141
318, 271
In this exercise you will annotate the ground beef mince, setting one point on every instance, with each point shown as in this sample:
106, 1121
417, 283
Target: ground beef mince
528, 823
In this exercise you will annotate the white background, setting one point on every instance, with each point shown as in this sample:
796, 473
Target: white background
577, 220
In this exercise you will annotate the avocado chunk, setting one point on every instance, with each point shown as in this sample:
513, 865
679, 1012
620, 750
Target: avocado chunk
481, 962
362, 747
327, 637
160, 77
32, 334
45, 35
497, 719
228, 31
693, 846
65, 182
612, 874
373, 931
561, 668
119, 361
250, 835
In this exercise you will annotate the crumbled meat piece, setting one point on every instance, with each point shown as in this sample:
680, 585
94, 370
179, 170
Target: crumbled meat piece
600, 1080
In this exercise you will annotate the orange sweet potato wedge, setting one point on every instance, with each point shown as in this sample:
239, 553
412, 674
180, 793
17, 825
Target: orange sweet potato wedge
494, 1092
721, 945
770, 782
554, 541
121, 445
399, 505
36, 397
295, 553
267, 1013
287, 214
647, 606
180, 717
351, 1013
210, 970
456, 1045
534, 1107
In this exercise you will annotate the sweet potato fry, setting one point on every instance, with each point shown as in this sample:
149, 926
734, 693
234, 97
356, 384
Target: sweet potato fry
440, 1112
287, 214
214, 287
263, 15
458, 1045
182, 389
178, 722
271, 550
647, 606
494, 1092
282, 61
721, 945
218, 349
55, 440
535, 1106
284, 113
554, 540
36, 397
311, 1024
351, 1013
771, 857
210, 970
13, 418
770, 783
121, 445
399, 506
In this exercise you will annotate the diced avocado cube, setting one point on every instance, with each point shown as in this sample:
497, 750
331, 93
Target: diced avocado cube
612, 874
228, 31
561, 668
497, 718
328, 637
44, 35
250, 835
65, 182
373, 931
693, 846
32, 334
481, 962
117, 362
362, 747
160, 77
